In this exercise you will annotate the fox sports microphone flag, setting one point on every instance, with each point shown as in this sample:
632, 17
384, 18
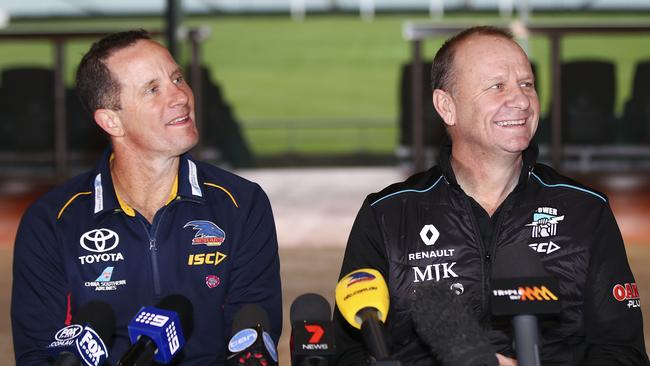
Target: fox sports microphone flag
84, 342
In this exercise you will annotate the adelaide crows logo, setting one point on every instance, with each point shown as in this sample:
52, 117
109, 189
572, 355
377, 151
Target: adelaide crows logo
207, 233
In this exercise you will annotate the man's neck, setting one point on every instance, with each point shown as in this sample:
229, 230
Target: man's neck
488, 180
142, 183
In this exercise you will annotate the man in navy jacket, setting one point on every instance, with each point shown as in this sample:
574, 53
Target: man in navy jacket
149, 221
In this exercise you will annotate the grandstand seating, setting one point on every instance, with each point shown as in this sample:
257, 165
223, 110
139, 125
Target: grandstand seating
588, 96
27, 104
636, 117
433, 129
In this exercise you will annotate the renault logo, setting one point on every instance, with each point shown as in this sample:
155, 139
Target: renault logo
99, 240
429, 234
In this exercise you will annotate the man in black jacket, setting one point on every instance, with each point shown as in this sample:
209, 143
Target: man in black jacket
445, 226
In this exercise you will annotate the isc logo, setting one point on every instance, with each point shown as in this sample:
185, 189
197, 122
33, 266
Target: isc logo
546, 248
202, 258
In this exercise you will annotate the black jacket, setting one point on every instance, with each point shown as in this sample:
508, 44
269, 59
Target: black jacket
426, 231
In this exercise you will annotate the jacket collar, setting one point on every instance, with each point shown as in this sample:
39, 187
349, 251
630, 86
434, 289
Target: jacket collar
188, 185
444, 162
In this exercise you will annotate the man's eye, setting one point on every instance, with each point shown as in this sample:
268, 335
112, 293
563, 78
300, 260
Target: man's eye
179, 80
497, 86
527, 84
152, 90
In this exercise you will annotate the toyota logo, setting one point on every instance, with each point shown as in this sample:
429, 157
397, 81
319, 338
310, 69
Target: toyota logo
99, 240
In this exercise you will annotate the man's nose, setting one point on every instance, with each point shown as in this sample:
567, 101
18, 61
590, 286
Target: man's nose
518, 98
179, 95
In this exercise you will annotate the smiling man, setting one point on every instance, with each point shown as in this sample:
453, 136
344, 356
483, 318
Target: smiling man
148, 222
446, 226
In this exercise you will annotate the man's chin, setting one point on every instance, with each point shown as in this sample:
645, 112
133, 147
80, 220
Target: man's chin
517, 146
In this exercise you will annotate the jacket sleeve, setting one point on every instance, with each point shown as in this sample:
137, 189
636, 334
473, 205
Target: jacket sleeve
255, 276
612, 316
39, 304
365, 249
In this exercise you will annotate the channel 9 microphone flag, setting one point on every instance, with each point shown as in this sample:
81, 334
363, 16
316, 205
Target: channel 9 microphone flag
159, 333
84, 341
362, 299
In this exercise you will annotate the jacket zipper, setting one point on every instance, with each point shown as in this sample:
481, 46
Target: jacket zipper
486, 253
153, 250
482, 250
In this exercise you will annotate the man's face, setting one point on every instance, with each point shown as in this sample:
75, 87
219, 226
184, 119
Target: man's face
157, 111
497, 108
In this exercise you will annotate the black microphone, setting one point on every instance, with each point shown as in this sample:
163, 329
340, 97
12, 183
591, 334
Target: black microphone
84, 341
159, 333
522, 288
251, 344
312, 336
449, 330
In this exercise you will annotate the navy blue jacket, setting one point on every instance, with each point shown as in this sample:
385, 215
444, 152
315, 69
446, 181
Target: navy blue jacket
214, 242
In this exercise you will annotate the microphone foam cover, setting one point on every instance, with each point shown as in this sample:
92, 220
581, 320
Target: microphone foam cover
100, 316
249, 316
311, 307
449, 330
183, 307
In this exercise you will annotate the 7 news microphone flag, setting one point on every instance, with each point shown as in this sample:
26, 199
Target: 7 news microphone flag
312, 335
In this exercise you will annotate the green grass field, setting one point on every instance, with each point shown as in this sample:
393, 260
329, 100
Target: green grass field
328, 68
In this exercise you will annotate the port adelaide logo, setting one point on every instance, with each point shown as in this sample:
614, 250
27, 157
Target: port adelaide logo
100, 243
545, 220
544, 225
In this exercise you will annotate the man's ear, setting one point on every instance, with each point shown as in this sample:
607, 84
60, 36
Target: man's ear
445, 106
109, 121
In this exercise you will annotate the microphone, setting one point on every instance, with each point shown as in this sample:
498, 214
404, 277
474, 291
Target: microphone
445, 325
312, 337
362, 299
250, 344
522, 288
84, 341
158, 333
